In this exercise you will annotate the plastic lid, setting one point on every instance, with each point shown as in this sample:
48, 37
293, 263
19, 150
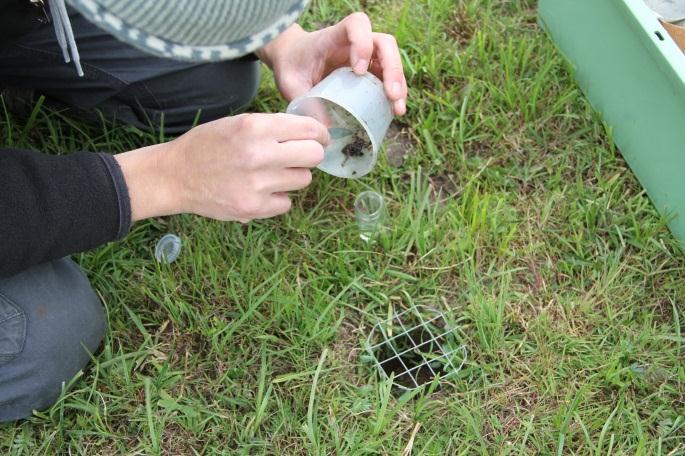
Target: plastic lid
168, 248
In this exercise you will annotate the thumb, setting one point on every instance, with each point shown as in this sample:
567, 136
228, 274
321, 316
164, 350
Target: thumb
355, 31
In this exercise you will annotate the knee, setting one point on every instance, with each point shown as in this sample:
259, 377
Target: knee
60, 335
51, 356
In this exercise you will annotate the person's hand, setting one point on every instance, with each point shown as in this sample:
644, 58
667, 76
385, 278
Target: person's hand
235, 168
300, 60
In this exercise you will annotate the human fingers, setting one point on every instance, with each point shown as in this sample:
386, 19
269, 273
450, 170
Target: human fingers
288, 180
290, 127
387, 55
354, 31
276, 204
305, 153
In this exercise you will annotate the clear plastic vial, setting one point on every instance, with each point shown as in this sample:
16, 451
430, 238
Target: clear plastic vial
369, 208
168, 248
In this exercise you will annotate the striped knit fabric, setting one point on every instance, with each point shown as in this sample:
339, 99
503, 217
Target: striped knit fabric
195, 30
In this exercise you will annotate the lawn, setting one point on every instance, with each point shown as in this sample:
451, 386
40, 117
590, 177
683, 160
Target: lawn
509, 208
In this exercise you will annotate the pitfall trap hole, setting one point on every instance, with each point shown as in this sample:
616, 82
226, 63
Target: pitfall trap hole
413, 348
406, 356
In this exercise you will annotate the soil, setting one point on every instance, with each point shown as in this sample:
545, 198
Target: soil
398, 144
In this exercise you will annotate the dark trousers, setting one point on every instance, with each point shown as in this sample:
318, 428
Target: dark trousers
50, 318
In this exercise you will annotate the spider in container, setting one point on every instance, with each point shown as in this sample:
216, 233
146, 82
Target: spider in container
355, 148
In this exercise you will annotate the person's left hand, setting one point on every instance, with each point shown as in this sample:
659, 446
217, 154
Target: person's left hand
300, 59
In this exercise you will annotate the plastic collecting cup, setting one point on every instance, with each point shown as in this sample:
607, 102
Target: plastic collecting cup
357, 114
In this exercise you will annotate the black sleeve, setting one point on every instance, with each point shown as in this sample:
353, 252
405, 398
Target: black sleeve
52, 206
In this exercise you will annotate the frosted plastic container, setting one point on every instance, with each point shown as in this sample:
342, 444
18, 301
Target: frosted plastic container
357, 114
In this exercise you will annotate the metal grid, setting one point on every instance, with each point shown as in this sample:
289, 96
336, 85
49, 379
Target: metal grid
424, 351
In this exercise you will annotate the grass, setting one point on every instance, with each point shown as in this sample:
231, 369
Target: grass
513, 212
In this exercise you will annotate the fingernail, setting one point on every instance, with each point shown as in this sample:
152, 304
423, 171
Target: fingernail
400, 106
395, 89
361, 66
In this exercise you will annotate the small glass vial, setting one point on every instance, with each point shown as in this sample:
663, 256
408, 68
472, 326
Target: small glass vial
168, 248
369, 209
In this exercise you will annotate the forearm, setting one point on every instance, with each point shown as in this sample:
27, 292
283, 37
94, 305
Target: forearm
150, 177
53, 206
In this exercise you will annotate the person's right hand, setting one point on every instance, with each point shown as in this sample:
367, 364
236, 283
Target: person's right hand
236, 168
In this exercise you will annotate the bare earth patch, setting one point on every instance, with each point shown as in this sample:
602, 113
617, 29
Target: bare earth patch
443, 187
398, 144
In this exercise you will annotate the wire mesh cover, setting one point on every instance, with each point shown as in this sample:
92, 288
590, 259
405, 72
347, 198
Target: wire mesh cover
414, 347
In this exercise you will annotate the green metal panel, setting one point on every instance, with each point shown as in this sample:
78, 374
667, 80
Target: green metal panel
637, 82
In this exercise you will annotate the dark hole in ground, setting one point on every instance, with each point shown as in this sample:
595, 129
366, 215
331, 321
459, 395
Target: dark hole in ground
416, 354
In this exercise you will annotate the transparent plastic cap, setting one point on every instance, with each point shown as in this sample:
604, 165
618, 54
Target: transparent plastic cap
168, 248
